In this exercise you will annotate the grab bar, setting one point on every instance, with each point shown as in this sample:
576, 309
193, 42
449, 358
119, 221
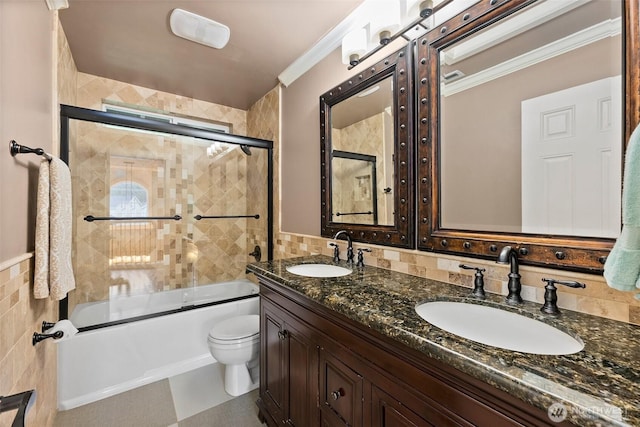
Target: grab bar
91, 218
22, 402
354, 213
199, 217
15, 149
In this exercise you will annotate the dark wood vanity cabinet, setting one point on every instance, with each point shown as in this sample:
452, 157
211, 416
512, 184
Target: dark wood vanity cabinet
287, 385
318, 368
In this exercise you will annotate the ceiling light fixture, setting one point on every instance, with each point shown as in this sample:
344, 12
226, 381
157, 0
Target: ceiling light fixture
199, 29
57, 4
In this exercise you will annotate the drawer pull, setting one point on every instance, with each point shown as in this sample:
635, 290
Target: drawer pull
282, 334
337, 394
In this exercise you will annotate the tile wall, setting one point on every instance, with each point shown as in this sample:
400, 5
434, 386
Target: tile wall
24, 366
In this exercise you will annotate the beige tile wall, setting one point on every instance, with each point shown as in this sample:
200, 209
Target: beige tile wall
24, 366
262, 123
597, 298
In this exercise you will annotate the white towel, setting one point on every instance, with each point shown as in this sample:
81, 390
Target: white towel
53, 276
622, 268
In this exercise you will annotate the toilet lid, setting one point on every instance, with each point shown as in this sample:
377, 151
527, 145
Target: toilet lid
236, 327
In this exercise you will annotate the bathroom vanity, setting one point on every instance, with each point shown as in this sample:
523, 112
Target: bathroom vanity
351, 351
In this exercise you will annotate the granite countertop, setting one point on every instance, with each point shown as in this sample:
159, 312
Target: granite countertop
598, 386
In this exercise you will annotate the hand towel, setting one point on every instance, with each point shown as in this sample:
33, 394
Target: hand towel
622, 268
53, 276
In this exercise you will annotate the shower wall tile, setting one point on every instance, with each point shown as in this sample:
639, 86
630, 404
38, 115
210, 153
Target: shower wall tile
188, 182
24, 366
263, 122
92, 91
596, 299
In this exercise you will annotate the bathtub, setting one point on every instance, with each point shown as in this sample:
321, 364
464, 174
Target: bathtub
102, 362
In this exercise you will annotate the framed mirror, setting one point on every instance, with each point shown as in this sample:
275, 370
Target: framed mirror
366, 154
521, 129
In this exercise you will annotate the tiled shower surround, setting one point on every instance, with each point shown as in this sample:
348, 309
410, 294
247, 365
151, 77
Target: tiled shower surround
181, 177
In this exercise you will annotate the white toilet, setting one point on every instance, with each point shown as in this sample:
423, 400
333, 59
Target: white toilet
235, 342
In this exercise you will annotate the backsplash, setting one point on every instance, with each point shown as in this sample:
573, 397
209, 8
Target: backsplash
596, 299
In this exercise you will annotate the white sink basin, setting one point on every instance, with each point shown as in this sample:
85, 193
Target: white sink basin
498, 328
318, 270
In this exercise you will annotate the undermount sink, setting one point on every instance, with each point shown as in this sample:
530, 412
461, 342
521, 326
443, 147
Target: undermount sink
318, 270
498, 328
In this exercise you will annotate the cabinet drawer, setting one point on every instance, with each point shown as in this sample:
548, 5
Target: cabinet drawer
341, 392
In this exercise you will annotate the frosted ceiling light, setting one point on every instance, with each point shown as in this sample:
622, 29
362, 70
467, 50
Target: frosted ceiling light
199, 29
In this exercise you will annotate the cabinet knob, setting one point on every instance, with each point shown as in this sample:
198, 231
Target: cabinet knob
282, 334
337, 394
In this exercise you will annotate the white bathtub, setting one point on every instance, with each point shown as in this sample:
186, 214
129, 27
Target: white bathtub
103, 362
125, 307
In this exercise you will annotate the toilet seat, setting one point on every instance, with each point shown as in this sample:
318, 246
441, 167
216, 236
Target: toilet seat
236, 330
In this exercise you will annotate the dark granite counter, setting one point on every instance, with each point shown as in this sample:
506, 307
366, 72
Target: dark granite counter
598, 386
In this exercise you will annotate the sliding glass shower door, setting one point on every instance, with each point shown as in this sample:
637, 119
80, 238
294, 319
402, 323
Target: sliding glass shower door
160, 214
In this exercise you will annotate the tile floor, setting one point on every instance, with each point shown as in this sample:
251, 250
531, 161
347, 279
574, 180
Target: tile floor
193, 399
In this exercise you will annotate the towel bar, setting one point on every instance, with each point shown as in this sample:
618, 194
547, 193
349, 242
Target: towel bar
15, 149
199, 217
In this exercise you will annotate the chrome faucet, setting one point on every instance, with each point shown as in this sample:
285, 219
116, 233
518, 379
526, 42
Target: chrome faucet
508, 255
350, 255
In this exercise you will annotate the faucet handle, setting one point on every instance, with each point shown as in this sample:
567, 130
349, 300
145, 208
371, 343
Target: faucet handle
550, 305
478, 283
360, 262
336, 251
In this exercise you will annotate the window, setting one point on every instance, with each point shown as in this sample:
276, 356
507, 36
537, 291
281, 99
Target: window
166, 118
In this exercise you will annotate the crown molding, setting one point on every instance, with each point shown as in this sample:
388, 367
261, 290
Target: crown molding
608, 28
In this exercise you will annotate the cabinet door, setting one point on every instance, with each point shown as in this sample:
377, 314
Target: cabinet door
341, 392
388, 412
272, 361
301, 366
288, 368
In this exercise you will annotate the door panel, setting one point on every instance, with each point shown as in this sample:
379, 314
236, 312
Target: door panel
571, 161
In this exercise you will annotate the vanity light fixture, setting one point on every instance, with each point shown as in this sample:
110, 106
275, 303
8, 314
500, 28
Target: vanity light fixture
386, 20
199, 29
354, 45
422, 8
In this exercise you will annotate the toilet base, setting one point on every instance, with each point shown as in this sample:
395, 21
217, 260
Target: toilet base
238, 379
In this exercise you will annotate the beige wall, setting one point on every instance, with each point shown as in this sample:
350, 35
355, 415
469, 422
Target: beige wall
28, 32
26, 105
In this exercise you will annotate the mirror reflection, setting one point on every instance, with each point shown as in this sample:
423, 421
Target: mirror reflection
362, 142
539, 149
